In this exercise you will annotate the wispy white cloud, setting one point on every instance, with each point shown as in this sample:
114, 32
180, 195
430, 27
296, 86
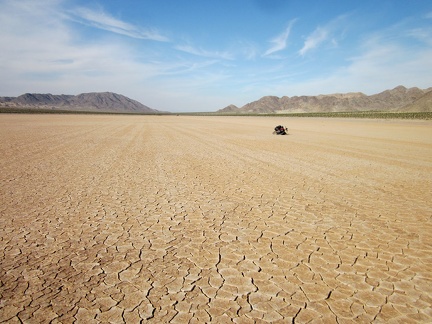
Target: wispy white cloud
183, 67
421, 34
102, 20
322, 34
49, 56
388, 54
316, 38
280, 42
204, 53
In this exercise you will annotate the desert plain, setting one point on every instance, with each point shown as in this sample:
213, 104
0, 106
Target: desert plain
199, 219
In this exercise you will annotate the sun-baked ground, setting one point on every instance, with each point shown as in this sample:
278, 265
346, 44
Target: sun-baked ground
187, 219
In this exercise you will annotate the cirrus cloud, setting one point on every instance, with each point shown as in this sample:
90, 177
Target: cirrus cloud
101, 20
280, 41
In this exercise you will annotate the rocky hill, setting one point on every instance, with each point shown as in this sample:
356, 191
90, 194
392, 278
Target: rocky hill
230, 108
397, 99
91, 102
423, 104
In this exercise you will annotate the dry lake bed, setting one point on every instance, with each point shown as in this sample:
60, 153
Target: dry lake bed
188, 219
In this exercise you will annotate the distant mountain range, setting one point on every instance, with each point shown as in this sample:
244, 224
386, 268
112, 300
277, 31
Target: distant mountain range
90, 102
399, 99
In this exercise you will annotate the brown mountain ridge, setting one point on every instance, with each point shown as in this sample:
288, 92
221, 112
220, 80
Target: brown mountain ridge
91, 102
398, 99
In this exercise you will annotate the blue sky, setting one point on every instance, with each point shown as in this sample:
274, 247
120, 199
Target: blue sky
202, 55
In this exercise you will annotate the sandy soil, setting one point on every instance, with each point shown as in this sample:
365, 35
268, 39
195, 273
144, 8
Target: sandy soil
176, 219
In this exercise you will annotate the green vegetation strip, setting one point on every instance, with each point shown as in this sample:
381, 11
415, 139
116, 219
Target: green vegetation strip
357, 114
381, 115
7, 110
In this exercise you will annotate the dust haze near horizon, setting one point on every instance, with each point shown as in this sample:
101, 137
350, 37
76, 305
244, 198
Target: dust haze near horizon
202, 56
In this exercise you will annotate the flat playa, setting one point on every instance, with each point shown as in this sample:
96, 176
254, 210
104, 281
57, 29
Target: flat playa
183, 219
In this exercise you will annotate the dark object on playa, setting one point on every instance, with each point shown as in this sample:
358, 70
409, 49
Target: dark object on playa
280, 130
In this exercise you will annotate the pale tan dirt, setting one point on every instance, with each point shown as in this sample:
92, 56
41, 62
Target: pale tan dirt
177, 219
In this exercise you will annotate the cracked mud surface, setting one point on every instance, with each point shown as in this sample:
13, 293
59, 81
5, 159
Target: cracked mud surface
175, 219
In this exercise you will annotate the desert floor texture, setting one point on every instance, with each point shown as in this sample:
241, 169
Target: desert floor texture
188, 219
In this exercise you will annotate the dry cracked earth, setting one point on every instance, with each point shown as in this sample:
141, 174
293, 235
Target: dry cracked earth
187, 219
